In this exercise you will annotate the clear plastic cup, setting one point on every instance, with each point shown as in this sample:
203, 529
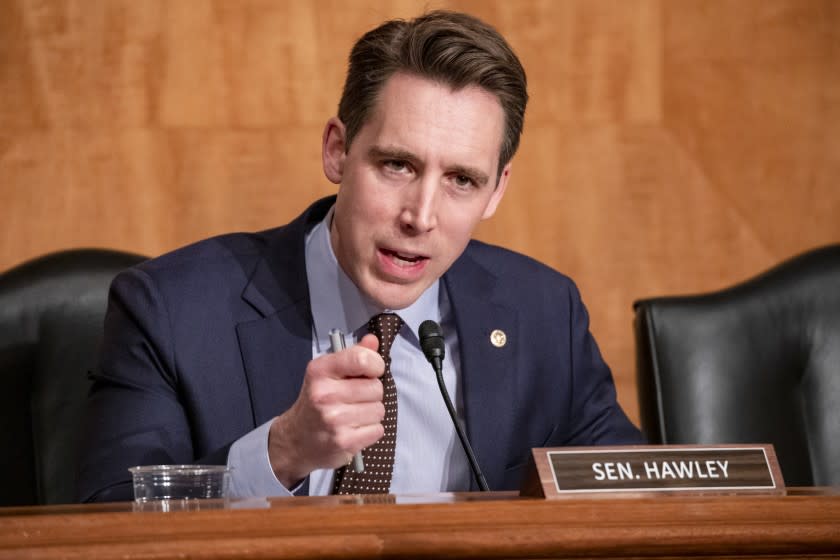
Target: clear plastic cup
180, 482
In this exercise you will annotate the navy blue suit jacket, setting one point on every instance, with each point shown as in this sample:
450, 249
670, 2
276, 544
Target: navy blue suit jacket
206, 343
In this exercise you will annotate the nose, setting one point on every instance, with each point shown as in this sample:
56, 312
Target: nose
420, 208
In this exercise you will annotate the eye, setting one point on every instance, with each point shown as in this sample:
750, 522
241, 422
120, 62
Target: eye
463, 181
396, 165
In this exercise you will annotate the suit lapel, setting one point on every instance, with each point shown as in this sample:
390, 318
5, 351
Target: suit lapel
487, 371
276, 348
275, 351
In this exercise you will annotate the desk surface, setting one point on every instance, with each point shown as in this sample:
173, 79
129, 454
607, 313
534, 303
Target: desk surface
803, 523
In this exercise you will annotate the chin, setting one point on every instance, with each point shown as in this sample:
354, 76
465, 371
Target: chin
394, 298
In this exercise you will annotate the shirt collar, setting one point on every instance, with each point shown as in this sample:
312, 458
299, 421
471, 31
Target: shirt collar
338, 304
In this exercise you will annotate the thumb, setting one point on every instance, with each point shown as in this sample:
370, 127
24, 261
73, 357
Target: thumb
370, 341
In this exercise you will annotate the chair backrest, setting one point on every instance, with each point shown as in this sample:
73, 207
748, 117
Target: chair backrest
755, 363
51, 316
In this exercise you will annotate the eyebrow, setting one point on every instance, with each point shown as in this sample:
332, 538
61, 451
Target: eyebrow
377, 152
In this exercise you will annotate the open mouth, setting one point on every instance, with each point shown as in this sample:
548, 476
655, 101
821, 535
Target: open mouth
403, 260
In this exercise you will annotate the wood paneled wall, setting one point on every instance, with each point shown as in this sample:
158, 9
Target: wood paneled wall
669, 147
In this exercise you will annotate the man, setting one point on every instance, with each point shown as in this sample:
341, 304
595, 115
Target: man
219, 352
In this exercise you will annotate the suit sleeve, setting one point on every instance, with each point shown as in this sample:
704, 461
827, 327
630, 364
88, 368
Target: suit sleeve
134, 411
596, 416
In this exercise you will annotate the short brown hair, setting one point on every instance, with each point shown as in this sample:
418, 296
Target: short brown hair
450, 47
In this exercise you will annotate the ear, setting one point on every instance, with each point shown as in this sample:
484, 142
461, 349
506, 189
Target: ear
332, 150
498, 193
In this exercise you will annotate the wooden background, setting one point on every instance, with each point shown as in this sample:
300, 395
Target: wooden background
670, 146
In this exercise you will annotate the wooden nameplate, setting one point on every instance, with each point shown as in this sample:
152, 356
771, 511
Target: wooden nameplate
556, 472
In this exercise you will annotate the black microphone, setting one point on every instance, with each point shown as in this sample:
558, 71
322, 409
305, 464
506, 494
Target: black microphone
431, 342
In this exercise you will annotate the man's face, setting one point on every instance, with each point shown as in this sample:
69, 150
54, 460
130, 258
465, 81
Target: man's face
419, 176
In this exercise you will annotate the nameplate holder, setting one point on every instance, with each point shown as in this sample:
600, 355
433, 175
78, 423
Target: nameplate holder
557, 472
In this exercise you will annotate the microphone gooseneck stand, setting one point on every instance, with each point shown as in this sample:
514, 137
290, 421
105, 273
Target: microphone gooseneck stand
432, 344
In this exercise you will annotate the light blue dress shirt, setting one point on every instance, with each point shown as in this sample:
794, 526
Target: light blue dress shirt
428, 456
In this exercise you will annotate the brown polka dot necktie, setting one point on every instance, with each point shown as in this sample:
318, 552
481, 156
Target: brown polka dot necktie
379, 457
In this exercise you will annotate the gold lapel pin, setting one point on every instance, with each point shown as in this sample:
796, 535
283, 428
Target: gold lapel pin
498, 338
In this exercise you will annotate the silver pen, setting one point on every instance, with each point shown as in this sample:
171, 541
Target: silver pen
336, 345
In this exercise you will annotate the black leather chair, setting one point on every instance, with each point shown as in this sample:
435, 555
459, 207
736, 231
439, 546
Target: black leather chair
755, 363
51, 314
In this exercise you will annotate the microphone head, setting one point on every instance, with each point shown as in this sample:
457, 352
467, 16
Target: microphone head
431, 341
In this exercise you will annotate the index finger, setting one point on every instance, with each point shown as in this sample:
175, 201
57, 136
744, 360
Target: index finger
360, 360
